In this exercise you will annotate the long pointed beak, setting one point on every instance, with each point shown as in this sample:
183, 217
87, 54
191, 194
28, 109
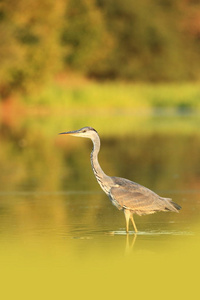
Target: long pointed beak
70, 132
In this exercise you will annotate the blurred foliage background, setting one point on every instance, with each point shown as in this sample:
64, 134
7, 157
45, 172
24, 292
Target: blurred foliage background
131, 70
148, 40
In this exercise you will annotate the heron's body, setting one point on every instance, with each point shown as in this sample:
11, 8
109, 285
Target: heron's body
126, 195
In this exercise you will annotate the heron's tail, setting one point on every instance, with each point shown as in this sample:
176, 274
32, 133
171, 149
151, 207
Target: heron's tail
172, 206
178, 207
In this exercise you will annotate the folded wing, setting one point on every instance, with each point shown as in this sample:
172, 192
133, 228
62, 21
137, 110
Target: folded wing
126, 194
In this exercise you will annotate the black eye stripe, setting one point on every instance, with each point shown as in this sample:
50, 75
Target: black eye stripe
85, 129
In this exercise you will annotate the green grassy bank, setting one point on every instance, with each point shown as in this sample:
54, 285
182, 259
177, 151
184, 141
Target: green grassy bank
138, 97
111, 108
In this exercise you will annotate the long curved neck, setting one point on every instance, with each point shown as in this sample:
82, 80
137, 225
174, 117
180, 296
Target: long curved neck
104, 181
98, 172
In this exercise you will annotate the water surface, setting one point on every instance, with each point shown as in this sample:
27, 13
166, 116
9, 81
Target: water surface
57, 224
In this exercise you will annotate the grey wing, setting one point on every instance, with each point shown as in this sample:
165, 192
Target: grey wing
137, 198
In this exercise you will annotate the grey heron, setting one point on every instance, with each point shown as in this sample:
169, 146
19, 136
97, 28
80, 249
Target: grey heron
126, 195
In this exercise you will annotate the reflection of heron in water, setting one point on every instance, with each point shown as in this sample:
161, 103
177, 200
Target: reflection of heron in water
126, 195
130, 244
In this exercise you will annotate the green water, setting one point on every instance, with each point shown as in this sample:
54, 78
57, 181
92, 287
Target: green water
55, 219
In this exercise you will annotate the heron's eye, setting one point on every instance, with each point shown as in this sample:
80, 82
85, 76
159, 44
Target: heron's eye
84, 131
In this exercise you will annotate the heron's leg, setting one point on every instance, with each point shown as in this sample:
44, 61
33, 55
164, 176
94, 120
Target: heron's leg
127, 217
132, 220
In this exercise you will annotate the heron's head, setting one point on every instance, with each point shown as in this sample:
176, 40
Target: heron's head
86, 132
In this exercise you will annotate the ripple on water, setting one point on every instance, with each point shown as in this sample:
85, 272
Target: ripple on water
151, 232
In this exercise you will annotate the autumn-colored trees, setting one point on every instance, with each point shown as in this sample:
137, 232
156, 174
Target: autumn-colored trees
154, 40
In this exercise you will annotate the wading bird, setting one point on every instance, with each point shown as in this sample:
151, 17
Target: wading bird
126, 195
